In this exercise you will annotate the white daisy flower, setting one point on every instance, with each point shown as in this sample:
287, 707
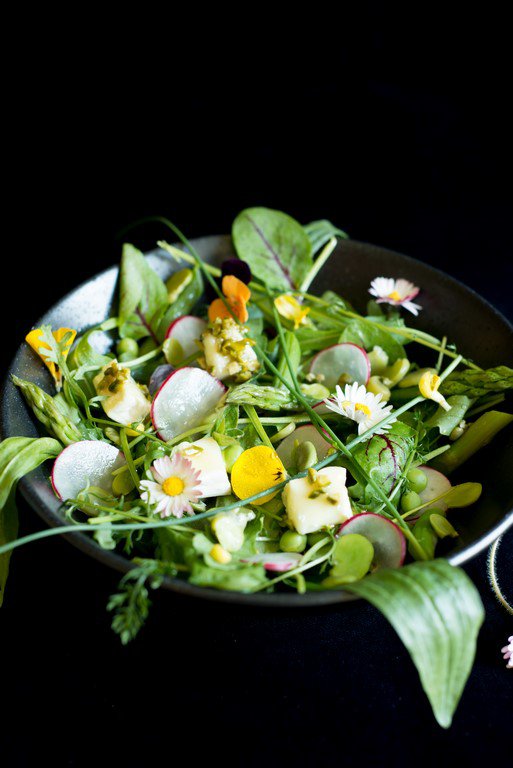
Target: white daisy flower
508, 653
176, 484
363, 407
396, 292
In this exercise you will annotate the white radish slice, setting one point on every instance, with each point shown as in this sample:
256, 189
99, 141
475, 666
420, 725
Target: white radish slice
276, 561
437, 484
184, 401
186, 330
305, 433
384, 535
88, 462
346, 358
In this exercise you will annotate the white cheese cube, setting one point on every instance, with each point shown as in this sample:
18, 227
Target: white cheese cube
329, 508
127, 404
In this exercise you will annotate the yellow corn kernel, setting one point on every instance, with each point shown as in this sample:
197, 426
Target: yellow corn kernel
220, 554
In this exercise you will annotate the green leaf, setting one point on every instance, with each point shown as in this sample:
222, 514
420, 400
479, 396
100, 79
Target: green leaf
244, 578
437, 612
446, 421
183, 304
18, 457
143, 296
383, 457
368, 336
312, 339
274, 245
84, 354
478, 383
320, 232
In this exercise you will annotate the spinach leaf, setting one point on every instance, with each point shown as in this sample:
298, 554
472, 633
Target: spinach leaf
274, 245
84, 354
384, 456
143, 296
437, 612
478, 383
319, 232
368, 336
18, 457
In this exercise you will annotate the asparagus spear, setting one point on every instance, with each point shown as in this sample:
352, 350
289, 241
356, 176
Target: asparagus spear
47, 412
478, 383
479, 434
268, 398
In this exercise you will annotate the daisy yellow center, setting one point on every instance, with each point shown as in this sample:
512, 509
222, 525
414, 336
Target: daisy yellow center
395, 296
173, 486
362, 407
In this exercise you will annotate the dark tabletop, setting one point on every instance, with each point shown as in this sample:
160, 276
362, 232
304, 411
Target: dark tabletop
370, 140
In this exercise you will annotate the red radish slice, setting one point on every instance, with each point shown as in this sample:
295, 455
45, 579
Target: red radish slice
186, 330
184, 401
384, 535
436, 485
305, 433
88, 462
276, 561
343, 358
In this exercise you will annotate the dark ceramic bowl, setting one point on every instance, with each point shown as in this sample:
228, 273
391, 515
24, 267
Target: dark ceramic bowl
449, 308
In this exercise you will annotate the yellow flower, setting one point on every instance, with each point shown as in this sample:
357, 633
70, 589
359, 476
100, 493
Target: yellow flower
255, 470
34, 340
290, 308
428, 385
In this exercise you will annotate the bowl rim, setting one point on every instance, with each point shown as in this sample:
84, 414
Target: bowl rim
179, 586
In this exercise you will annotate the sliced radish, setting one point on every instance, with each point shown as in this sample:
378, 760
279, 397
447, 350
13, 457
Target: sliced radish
88, 462
184, 400
158, 377
437, 484
276, 561
384, 535
305, 433
346, 358
186, 330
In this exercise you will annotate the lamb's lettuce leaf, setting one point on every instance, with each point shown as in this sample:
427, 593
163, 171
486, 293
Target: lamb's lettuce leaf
437, 612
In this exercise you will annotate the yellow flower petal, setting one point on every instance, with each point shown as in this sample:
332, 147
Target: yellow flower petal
290, 308
428, 385
35, 341
256, 470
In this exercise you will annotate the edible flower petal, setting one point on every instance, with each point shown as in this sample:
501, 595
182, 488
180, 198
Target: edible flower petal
361, 406
399, 293
428, 385
34, 340
237, 295
175, 486
290, 308
255, 470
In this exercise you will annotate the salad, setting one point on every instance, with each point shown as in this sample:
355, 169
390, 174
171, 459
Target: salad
245, 433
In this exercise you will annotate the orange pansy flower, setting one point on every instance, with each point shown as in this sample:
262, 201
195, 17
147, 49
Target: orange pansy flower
237, 295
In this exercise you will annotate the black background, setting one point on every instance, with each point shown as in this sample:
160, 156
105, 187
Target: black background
402, 139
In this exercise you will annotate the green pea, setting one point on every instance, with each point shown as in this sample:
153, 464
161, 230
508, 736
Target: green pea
292, 542
313, 538
304, 456
128, 346
410, 500
230, 455
417, 480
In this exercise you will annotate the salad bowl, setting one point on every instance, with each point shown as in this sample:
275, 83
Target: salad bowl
451, 309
